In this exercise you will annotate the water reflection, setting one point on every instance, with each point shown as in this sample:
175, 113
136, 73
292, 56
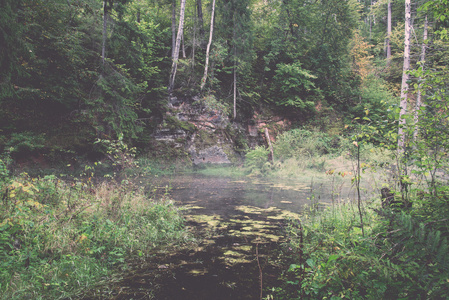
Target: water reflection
220, 195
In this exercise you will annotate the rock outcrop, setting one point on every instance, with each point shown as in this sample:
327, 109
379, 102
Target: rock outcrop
207, 134
201, 131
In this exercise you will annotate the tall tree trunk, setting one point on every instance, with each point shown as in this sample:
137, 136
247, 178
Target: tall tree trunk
418, 97
105, 32
405, 78
195, 19
387, 42
235, 91
200, 15
174, 67
235, 70
173, 29
203, 81
183, 46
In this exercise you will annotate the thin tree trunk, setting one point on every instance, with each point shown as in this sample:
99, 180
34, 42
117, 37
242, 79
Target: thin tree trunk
195, 19
270, 146
419, 96
173, 28
235, 70
200, 15
359, 200
174, 67
203, 81
105, 32
405, 78
388, 45
183, 46
235, 91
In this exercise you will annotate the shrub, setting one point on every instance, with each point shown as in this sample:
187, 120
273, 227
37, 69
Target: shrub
398, 258
25, 143
300, 143
256, 161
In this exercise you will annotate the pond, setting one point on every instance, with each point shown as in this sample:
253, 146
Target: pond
239, 224
220, 195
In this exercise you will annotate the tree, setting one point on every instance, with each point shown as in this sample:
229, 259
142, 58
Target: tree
422, 60
173, 29
206, 64
177, 46
405, 78
12, 45
388, 46
237, 35
199, 6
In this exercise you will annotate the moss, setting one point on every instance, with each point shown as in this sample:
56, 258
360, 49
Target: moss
205, 139
238, 137
174, 123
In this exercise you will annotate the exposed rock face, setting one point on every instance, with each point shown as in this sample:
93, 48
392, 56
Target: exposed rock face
211, 155
208, 135
201, 131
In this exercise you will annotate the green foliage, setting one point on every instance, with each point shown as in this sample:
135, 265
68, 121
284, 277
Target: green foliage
302, 143
375, 99
256, 161
12, 47
211, 103
60, 238
294, 85
404, 259
25, 143
118, 152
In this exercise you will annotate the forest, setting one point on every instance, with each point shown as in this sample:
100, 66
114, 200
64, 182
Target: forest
87, 87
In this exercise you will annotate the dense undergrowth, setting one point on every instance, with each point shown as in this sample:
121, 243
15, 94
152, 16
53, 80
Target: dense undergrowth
385, 250
396, 253
400, 256
60, 237
302, 152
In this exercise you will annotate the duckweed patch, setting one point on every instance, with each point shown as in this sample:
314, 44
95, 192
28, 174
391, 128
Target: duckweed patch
206, 220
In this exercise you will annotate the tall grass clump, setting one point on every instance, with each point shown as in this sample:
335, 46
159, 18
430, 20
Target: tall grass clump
58, 238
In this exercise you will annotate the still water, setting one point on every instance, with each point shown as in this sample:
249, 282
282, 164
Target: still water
220, 195
240, 229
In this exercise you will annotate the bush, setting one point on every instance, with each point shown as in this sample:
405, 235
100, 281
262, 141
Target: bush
256, 161
300, 143
25, 143
398, 258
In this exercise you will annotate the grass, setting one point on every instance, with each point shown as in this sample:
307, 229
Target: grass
398, 257
233, 172
58, 239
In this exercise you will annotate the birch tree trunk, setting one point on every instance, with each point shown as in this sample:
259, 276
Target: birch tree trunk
388, 45
183, 46
174, 67
203, 81
405, 78
173, 28
418, 97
